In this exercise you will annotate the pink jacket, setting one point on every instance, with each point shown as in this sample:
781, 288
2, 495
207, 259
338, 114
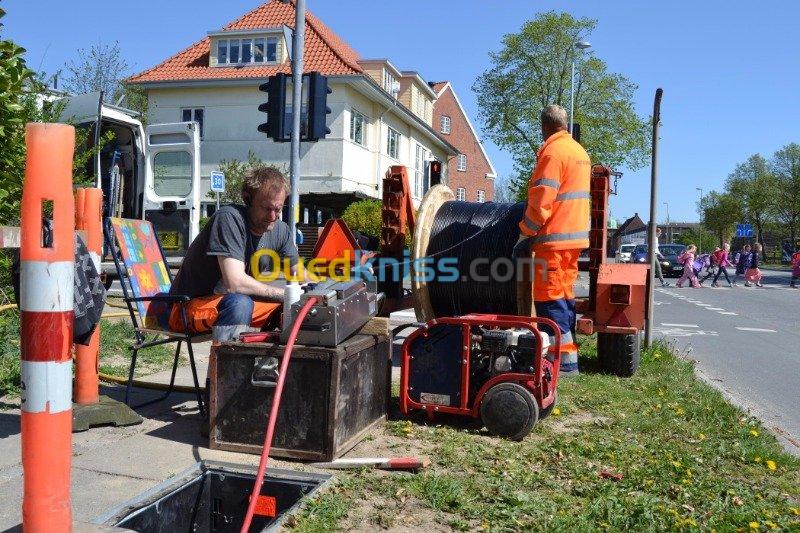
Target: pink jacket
723, 259
686, 258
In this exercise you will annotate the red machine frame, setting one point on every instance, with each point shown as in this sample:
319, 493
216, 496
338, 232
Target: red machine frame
543, 390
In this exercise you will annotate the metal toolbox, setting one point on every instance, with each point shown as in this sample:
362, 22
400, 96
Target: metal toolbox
332, 396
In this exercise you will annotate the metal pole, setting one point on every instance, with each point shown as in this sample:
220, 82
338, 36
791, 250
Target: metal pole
297, 93
648, 328
572, 96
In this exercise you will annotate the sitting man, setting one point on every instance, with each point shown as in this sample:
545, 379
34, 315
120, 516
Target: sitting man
226, 299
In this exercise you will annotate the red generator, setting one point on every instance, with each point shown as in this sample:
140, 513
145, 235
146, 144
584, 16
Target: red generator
499, 368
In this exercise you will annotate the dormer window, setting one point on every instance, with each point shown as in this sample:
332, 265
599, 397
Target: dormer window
247, 51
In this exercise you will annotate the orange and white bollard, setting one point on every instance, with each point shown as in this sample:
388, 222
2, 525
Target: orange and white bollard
88, 217
46, 311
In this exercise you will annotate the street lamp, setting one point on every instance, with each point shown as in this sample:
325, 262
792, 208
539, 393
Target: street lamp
700, 225
579, 45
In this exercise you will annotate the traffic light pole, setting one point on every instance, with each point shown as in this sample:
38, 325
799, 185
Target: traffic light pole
298, 41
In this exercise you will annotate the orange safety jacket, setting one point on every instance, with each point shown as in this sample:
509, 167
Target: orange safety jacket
557, 214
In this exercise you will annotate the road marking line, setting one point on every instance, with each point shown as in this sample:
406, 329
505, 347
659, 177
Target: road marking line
715, 309
761, 330
701, 304
679, 325
727, 313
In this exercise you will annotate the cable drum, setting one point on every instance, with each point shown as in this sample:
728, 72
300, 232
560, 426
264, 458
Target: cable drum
477, 239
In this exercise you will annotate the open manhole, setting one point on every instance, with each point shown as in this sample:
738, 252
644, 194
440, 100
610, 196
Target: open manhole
212, 496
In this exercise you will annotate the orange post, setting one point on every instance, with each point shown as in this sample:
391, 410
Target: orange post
88, 217
46, 312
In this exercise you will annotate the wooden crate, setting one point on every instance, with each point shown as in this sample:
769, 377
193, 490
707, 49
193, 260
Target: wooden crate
332, 397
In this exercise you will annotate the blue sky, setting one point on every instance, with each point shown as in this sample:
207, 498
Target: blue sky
730, 70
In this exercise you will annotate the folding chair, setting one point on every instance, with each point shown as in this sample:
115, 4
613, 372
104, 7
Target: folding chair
146, 281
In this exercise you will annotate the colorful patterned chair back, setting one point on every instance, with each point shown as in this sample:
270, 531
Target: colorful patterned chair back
147, 272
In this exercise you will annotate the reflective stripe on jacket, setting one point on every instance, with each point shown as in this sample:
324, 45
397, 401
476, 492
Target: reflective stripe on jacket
557, 214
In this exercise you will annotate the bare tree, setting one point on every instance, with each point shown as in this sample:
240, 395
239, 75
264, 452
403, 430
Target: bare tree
100, 68
504, 190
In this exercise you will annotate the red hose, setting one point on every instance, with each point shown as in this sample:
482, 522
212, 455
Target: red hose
273, 414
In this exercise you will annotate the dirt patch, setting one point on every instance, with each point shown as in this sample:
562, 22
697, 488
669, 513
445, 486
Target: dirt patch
401, 514
572, 422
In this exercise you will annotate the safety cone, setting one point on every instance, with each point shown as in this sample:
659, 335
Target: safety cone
91, 409
46, 313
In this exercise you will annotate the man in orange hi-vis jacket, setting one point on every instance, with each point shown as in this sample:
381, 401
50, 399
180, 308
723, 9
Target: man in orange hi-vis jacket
556, 225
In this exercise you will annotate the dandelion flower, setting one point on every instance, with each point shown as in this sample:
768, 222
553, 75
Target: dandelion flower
556, 411
754, 433
771, 465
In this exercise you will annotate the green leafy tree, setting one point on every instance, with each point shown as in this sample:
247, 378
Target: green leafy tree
704, 240
17, 107
721, 212
754, 185
785, 166
533, 69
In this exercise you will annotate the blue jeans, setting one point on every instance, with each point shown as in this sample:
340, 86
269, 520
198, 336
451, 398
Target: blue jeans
235, 313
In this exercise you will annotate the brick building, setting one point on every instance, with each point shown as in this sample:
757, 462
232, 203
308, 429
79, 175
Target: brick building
471, 173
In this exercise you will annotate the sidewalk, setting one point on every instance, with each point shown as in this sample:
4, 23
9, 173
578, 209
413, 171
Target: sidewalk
111, 465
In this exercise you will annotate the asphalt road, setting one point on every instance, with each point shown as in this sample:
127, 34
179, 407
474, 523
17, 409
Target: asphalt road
746, 342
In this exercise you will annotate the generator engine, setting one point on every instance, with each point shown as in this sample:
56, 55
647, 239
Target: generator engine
500, 351
494, 367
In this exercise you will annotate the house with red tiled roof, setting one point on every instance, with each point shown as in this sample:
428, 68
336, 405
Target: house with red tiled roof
380, 116
471, 174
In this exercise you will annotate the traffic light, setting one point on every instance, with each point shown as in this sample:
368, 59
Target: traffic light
318, 110
313, 109
435, 172
274, 107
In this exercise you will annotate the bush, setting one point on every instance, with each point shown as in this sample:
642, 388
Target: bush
364, 216
235, 171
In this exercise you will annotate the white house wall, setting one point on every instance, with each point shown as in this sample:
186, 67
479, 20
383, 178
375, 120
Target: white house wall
335, 164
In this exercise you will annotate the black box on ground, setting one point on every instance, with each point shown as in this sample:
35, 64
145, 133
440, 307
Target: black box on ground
212, 496
331, 397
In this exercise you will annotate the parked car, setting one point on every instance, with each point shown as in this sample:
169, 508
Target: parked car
623, 255
670, 252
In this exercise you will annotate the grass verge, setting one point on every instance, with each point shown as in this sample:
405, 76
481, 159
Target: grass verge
115, 339
661, 450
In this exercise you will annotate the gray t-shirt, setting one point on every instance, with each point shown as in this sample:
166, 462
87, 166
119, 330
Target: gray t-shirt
227, 234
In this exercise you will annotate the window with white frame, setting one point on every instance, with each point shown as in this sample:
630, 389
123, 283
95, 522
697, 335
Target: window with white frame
388, 80
481, 195
197, 114
247, 51
357, 127
419, 170
461, 194
392, 142
462, 162
444, 122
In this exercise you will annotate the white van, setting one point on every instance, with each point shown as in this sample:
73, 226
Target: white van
150, 173
623, 255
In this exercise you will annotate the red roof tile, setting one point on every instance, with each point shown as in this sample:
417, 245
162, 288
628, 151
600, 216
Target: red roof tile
324, 51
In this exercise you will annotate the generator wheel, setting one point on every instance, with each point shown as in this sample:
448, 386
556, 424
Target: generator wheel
509, 410
544, 413
618, 354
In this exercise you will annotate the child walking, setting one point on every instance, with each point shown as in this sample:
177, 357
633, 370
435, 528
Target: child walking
687, 259
795, 267
722, 264
742, 262
753, 273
